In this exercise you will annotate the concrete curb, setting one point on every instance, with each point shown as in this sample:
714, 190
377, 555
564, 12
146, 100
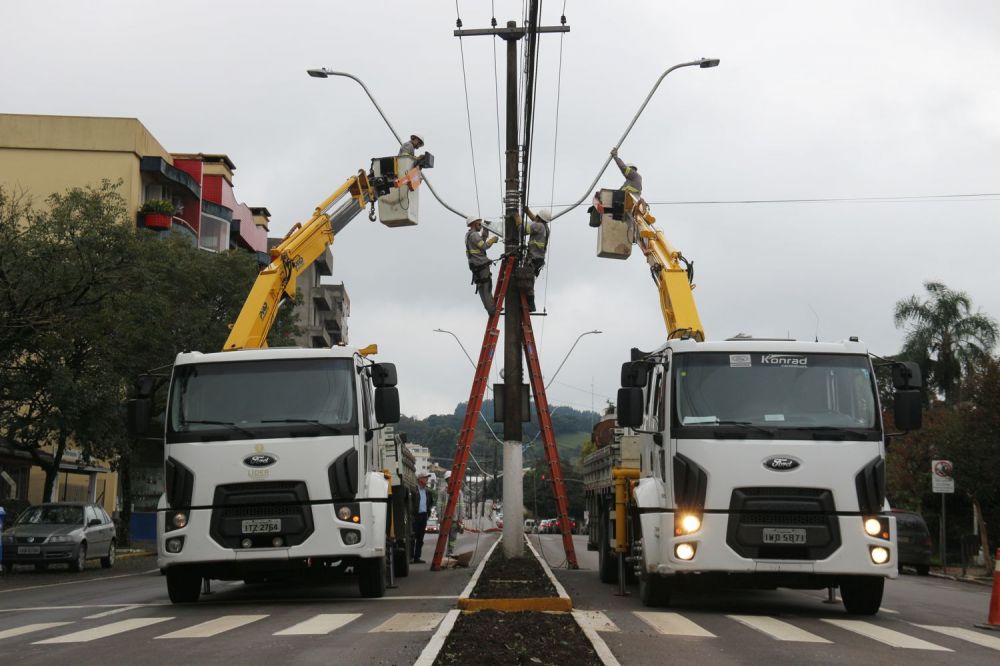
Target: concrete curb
560, 603
959, 579
433, 647
128, 555
600, 647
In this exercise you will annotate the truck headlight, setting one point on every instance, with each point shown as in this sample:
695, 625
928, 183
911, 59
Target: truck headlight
684, 551
174, 545
879, 554
350, 513
350, 537
877, 526
686, 523
179, 520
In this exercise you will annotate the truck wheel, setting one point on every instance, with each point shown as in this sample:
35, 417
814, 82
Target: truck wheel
862, 595
183, 587
401, 559
654, 590
371, 577
607, 561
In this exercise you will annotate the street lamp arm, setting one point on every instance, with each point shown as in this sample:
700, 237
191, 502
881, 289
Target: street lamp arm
704, 63
324, 73
553, 378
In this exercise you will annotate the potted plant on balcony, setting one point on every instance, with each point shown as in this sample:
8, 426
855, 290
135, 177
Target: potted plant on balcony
157, 213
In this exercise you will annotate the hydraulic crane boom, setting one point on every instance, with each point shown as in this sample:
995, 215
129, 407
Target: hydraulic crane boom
303, 244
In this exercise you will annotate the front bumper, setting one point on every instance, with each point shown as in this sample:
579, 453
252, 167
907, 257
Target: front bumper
54, 552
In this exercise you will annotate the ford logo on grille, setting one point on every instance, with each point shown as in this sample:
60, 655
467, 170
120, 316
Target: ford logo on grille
260, 460
781, 463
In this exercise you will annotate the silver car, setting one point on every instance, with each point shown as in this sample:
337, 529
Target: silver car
64, 532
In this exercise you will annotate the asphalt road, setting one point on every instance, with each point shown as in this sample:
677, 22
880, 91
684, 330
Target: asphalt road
924, 620
123, 616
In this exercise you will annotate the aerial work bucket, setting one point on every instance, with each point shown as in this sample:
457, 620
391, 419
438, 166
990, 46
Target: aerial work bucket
399, 206
614, 235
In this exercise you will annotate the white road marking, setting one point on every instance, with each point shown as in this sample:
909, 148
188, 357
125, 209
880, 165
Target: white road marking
111, 612
410, 622
319, 625
965, 635
105, 630
778, 629
883, 609
214, 627
595, 620
78, 582
29, 628
229, 602
434, 645
887, 636
672, 624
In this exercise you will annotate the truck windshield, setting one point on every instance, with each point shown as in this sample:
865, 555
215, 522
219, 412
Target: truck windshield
774, 395
271, 398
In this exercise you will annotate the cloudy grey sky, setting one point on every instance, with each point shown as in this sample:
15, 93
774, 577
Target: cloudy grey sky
813, 99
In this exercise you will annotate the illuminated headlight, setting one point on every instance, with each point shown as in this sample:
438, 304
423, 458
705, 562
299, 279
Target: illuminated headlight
246, 543
879, 554
350, 537
877, 527
690, 523
684, 551
174, 545
60, 538
179, 520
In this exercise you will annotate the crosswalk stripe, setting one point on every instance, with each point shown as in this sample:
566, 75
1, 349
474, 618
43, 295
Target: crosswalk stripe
965, 635
672, 624
214, 627
595, 620
29, 628
887, 636
105, 630
319, 625
410, 622
778, 629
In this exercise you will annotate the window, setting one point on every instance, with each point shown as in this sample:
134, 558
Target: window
90, 514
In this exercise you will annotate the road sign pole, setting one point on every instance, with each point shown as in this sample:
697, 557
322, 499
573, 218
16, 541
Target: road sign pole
941, 539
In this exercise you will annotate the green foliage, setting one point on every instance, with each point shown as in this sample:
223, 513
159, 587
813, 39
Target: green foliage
158, 206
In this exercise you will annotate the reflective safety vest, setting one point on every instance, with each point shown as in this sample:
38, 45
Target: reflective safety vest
539, 236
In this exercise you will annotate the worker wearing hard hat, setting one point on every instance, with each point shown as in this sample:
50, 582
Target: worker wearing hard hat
633, 181
477, 241
410, 147
456, 522
538, 238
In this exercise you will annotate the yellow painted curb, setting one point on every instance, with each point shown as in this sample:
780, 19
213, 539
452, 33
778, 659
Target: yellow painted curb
513, 605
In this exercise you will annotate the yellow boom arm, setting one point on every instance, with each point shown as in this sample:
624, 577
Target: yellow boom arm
303, 244
680, 314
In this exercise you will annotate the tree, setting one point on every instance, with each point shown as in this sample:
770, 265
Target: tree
945, 337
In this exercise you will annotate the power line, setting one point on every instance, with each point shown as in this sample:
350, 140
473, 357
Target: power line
468, 112
496, 93
984, 196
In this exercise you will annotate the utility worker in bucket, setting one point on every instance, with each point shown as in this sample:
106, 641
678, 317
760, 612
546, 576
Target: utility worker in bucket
477, 241
415, 143
538, 239
633, 181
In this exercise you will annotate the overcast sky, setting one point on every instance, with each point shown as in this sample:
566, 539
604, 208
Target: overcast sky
812, 100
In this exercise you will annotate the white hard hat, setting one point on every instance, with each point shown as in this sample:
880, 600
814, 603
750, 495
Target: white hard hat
418, 137
545, 214
627, 166
469, 220
423, 475
447, 474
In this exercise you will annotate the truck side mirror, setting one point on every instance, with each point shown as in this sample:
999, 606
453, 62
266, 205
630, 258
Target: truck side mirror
139, 415
908, 410
387, 404
906, 376
635, 374
630, 407
384, 375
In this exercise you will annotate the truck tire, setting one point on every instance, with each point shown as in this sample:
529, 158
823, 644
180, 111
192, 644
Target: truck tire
654, 590
862, 595
183, 587
401, 559
371, 577
607, 561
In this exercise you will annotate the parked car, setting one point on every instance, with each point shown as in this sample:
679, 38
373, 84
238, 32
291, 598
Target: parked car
914, 541
548, 526
432, 526
60, 532
529, 526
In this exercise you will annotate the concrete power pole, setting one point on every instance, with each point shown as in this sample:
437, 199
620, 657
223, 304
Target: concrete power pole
513, 466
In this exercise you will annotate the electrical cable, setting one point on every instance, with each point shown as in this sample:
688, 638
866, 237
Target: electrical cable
468, 112
496, 95
983, 196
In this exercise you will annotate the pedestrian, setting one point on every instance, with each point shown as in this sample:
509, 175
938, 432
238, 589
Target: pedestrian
477, 241
410, 147
633, 181
456, 523
424, 504
538, 238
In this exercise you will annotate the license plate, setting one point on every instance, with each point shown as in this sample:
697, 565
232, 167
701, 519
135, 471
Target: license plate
777, 535
28, 550
261, 526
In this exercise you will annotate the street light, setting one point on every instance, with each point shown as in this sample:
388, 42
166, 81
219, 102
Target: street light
324, 73
442, 330
703, 63
553, 378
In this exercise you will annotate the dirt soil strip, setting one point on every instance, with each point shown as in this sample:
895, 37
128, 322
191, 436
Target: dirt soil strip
431, 650
467, 592
560, 590
600, 647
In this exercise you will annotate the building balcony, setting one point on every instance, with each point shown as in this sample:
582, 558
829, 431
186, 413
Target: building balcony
322, 300
317, 336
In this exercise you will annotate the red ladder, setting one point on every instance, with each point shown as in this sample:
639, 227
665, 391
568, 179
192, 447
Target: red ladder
468, 431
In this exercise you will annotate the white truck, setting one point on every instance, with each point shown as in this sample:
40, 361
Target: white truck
750, 463
274, 467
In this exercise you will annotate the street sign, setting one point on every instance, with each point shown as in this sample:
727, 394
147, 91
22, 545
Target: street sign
941, 479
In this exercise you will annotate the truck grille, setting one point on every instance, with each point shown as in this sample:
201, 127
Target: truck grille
287, 501
808, 510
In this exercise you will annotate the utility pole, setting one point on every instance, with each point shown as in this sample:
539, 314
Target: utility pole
513, 464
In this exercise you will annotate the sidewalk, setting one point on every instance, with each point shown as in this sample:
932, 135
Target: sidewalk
974, 574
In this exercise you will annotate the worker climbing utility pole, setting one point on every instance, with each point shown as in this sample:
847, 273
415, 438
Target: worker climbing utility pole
513, 468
